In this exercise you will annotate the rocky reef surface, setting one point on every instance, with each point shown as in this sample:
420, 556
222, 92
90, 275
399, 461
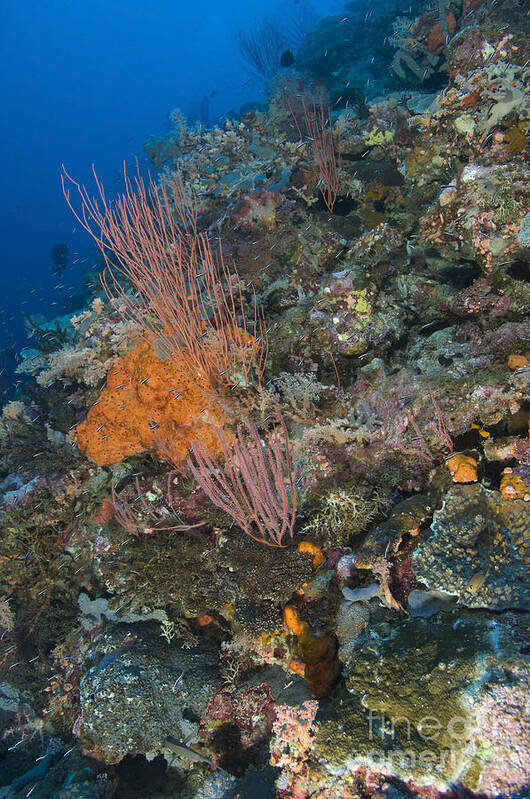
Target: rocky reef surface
332, 600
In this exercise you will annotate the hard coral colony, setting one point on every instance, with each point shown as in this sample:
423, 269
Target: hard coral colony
265, 499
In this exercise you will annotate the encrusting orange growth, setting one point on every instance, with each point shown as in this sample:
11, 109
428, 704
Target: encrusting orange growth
513, 486
320, 664
312, 549
463, 468
297, 667
204, 620
293, 622
149, 404
517, 362
436, 38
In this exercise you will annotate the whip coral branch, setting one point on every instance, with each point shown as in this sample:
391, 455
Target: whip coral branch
255, 485
185, 299
129, 517
438, 425
319, 129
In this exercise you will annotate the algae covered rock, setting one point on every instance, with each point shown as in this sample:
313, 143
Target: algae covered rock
352, 318
478, 549
132, 700
406, 519
415, 704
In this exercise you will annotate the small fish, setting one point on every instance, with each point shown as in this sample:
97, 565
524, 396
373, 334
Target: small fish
287, 59
186, 752
476, 582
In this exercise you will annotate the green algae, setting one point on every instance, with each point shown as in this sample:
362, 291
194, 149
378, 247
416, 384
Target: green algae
408, 708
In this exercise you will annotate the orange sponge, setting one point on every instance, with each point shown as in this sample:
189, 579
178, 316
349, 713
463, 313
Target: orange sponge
312, 549
149, 405
320, 666
293, 622
463, 468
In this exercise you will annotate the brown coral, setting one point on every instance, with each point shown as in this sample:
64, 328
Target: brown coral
436, 39
516, 138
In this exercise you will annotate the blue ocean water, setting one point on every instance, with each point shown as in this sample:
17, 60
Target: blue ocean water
89, 83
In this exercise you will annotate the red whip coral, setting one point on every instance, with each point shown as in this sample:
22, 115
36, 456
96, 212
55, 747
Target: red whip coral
256, 484
186, 301
319, 127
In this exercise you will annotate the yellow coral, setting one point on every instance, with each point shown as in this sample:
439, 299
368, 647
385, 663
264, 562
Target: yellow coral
376, 137
14, 410
357, 300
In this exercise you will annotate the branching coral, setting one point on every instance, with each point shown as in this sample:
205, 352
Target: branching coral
98, 343
346, 512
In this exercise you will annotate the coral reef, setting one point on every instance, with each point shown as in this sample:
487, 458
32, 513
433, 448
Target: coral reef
414, 710
264, 501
